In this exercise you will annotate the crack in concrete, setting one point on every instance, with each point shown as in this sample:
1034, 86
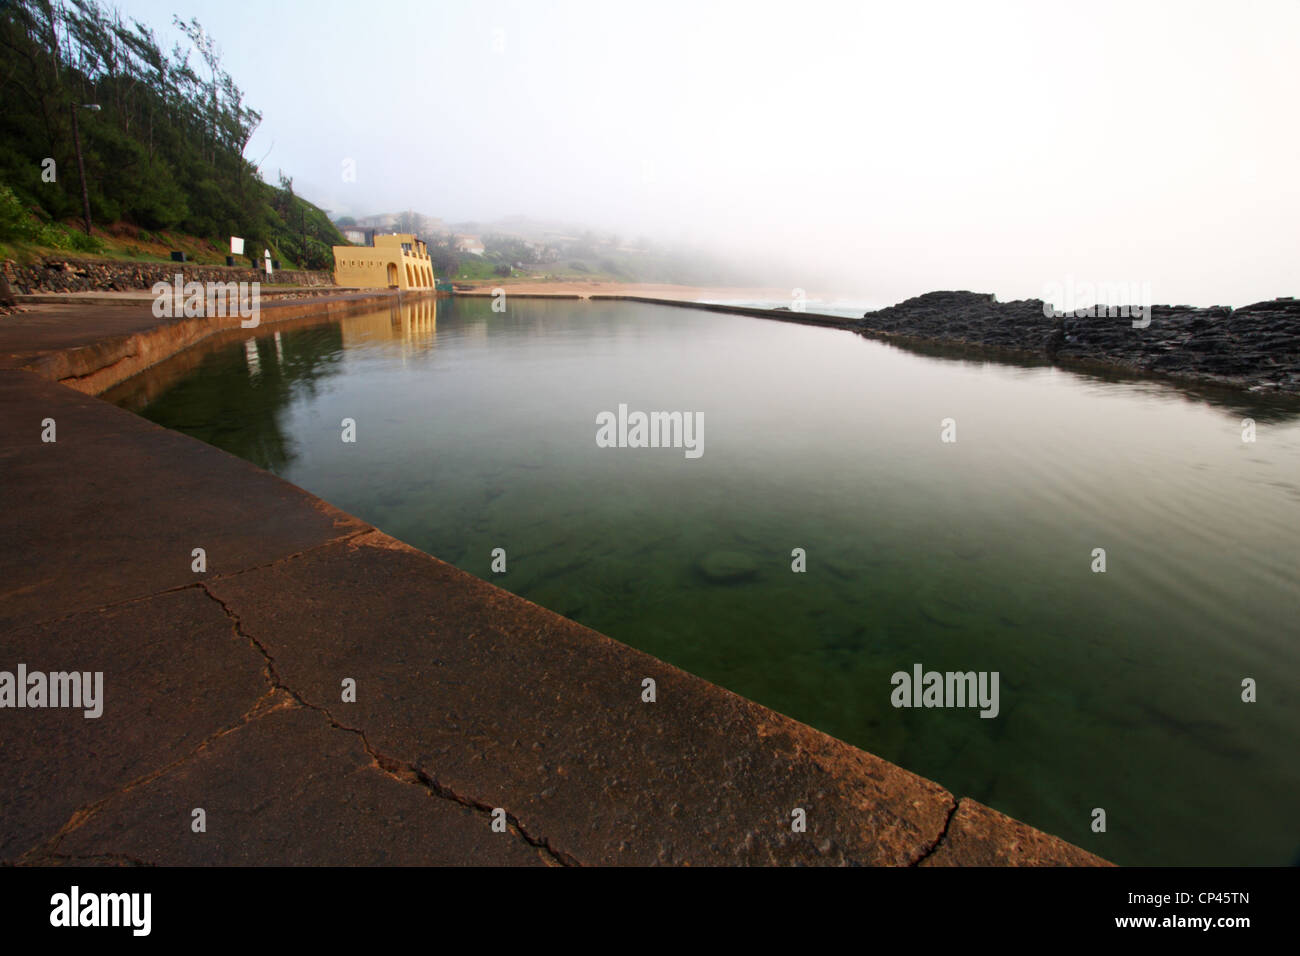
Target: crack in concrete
136, 599
943, 835
47, 621
401, 771
342, 539
48, 848
71, 381
551, 855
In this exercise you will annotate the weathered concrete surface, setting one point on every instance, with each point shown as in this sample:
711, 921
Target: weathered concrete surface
113, 509
224, 691
286, 788
176, 674
487, 695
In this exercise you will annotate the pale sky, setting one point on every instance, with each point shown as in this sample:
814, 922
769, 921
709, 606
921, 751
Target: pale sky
882, 148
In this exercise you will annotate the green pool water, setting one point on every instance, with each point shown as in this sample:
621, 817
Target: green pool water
476, 430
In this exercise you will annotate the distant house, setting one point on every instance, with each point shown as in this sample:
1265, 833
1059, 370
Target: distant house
358, 235
470, 244
396, 260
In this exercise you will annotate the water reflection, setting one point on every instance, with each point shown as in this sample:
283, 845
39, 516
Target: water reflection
412, 325
1261, 406
262, 373
1119, 689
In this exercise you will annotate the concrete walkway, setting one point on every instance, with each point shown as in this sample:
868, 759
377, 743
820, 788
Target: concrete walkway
484, 729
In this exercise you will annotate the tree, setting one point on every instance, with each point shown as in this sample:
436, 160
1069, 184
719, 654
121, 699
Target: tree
166, 148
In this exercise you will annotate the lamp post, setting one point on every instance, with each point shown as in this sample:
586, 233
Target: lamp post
81, 166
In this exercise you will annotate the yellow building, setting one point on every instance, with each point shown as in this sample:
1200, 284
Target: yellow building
397, 260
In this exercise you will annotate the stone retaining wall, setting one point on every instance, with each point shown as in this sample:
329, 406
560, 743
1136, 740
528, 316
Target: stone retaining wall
60, 274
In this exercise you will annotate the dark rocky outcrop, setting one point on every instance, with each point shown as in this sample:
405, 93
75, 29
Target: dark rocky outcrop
1255, 347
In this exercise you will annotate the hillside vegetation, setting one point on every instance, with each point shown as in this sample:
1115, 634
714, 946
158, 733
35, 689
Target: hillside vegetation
162, 143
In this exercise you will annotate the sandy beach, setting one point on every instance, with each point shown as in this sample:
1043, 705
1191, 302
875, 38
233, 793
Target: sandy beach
654, 290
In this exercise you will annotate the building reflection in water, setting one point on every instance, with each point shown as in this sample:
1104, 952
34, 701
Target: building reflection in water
413, 324
251, 357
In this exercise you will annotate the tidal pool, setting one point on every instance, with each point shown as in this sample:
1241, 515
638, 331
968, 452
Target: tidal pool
476, 430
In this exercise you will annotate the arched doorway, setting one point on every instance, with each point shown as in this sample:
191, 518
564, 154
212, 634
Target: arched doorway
392, 273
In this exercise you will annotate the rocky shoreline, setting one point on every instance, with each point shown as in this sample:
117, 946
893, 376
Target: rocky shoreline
1256, 347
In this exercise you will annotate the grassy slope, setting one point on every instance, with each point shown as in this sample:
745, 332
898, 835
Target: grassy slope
125, 242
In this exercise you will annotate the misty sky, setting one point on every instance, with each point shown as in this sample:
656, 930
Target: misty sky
880, 149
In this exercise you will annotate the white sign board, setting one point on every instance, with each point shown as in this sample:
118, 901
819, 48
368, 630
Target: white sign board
236, 246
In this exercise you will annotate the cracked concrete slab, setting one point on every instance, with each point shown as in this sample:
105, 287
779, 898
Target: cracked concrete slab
113, 508
286, 789
504, 703
175, 673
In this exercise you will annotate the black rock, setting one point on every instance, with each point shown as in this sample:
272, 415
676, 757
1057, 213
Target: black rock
1256, 346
